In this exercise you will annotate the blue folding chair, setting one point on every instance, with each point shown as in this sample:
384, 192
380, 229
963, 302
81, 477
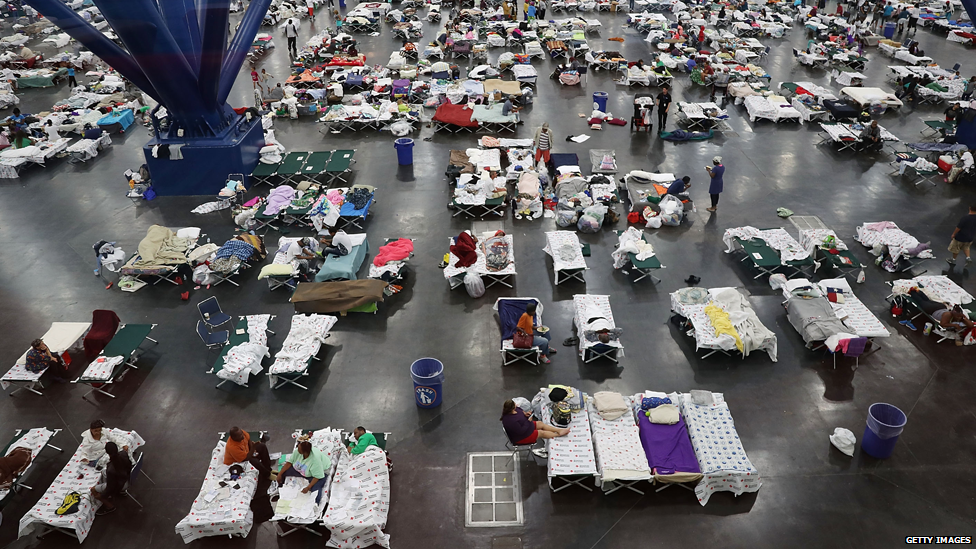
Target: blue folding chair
214, 340
211, 313
133, 475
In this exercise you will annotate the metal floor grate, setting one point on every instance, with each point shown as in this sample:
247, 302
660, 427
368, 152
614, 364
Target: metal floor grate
493, 494
807, 222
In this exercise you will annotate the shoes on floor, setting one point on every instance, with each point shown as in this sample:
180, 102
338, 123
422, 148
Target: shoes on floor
710, 209
950, 261
908, 324
570, 341
545, 360
552, 351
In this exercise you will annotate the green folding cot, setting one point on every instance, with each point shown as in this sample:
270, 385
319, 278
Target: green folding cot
126, 343
264, 173
340, 164
315, 164
291, 166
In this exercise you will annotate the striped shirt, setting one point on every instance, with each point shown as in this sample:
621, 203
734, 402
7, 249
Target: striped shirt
544, 141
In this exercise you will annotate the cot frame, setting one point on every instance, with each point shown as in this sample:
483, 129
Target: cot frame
128, 363
293, 377
17, 483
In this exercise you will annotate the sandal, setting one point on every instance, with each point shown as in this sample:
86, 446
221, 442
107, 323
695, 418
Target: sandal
570, 341
552, 351
545, 360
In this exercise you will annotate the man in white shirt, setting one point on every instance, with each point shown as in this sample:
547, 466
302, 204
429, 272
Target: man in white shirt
341, 245
965, 164
913, 14
291, 32
51, 130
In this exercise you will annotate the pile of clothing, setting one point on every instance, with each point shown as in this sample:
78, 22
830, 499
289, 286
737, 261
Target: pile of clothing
660, 410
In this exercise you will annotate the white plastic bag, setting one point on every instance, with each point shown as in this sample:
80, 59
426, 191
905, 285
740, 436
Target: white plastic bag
654, 222
592, 218
777, 281
400, 128
672, 210
474, 285
843, 439
203, 276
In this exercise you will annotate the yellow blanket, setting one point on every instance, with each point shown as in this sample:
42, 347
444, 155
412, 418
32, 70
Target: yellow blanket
722, 324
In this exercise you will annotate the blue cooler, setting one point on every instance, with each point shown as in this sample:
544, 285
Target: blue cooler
600, 101
885, 424
404, 149
889, 30
428, 378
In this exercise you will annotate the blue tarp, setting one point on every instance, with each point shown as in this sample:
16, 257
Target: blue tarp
123, 117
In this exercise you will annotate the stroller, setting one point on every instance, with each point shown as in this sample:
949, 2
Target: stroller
643, 108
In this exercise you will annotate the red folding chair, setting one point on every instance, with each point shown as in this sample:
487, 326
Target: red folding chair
104, 325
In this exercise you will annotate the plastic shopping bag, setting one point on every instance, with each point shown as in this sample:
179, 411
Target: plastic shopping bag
474, 285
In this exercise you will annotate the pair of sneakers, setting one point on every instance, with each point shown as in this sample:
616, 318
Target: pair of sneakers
952, 260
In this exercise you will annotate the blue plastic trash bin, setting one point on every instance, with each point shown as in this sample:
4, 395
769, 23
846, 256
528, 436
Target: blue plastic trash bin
428, 378
885, 424
889, 30
404, 149
600, 101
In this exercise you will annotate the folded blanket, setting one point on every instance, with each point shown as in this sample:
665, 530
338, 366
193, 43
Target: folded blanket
665, 414
722, 324
611, 405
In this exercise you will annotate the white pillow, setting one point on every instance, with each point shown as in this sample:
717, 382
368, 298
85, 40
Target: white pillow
568, 169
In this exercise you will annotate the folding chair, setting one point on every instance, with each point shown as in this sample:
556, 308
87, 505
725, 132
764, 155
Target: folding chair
214, 340
133, 475
211, 313
530, 449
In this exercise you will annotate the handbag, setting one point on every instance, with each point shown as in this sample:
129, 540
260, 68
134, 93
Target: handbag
521, 340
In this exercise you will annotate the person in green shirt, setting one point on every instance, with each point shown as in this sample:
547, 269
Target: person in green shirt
363, 440
308, 463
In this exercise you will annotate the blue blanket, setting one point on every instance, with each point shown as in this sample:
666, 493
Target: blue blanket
348, 210
936, 147
124, 118
238, 248
509, 313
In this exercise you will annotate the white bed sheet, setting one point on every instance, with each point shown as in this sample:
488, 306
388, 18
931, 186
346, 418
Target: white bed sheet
565, 249
868, 96
304, 340
244, 360
59, 338
898, 241
360, 501
479, 266
597, 305
617, 446
853, 312
937, 287
571, 455
294, 507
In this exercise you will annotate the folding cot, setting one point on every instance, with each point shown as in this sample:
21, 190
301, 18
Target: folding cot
841, 110
747, 333
301, 345
13, 161
118, 120
571, 459
502, 269
938, 129
453, 118
644, 267
815, 236
349, 214
723, 461
264, 173
340, 164
229, 513
361, 24
34, 440
59, 338
905, 251
299, 212
620, 458
703, 116
359, 502
567, 256
903, 55
84, 150
769, 250
315, 164
843, 135
845, 315
869, 97
491, 120
74, 477
774, 107
246, 348
533, 49
161, 253
598, 164
847, 76
236, 255
509, 311
116, 358
291, 167
592, 316
345, 267
477, 204
939, 292
295, 510
926, 171
670, 455
525, 74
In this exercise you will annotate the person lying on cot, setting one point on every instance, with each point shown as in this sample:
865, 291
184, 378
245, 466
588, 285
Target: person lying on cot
954, 319
238, 446
39, 358
93, 442
363, 440
521, 429
309, 463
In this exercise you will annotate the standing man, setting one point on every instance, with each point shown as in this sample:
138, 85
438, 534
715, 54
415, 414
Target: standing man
716, 171
902, 19
310, 4
962, 237
543, 143
71, 78
291, 32
913, 14
663, 105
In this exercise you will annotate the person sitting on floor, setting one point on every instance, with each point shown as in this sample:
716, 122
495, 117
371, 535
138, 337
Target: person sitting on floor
94, 440
309, 463
341, 245
679, 187
238, 446
871, 137
114, 479
526, 323
363, 440
39, 358
521, 429
277, 93
21, 140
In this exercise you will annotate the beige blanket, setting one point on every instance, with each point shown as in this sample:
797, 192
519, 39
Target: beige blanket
161, 247
610, 405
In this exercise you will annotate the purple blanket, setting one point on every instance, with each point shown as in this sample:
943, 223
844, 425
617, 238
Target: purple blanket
668, 447
279, 199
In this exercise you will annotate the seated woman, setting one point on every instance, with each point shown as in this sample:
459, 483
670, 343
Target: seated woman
12, 465
114, 479
308, 463
21, 140
526, 324
94, 441
238, 446
522, 430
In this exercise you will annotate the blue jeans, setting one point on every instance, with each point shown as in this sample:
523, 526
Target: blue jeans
542, 342
291, 472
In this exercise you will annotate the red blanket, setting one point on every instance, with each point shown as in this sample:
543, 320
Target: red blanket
394, 251
464, 250
458, 115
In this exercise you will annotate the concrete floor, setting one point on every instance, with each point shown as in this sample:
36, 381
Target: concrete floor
812, 496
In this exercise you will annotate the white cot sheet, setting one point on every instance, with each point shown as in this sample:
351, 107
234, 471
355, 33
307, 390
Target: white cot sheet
886, 233
480, 266
723, 461
221, 511
244, 360
485, 158
868, 96
705, 337
938, 288
293, 506
588, 307
812, 238
778, 239
59, 338
360, 501
619, 453
565, 249
304, 340
853, 312
43, 514
571, 455
34, 440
